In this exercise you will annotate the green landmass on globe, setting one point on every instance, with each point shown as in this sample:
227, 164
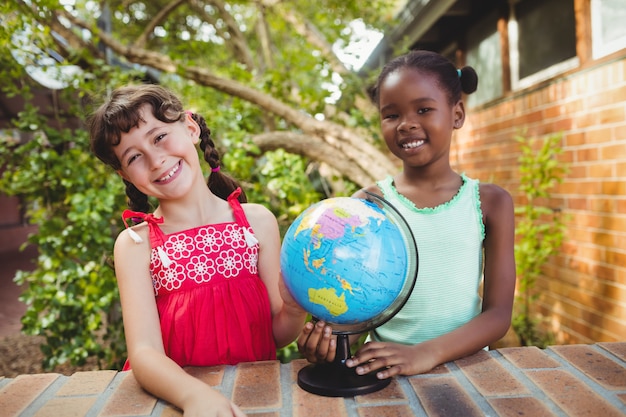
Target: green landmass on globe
344, 260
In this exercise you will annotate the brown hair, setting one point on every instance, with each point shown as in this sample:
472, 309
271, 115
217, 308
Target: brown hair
121, 112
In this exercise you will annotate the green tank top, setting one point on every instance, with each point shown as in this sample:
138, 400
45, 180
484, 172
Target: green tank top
449, 241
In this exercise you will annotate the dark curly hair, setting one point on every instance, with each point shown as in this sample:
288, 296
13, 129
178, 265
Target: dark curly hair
453, 81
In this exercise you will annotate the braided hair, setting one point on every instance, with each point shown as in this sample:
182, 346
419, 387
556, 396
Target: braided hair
219, 183
121, 112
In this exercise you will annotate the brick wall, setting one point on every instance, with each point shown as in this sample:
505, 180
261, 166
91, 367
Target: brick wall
583, 290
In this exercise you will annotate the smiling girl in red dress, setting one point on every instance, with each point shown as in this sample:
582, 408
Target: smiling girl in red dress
199, 276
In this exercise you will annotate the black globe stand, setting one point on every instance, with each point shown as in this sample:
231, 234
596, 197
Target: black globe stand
335, 379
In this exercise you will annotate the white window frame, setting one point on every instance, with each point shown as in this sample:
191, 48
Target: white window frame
514, 59
601, 48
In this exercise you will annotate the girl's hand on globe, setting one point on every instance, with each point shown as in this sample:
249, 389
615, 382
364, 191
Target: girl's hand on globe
391, 359
317, 342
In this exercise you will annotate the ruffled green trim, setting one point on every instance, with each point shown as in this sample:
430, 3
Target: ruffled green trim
387, 183
479, 210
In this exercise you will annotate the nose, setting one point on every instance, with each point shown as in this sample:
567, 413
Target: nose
156, 160
407, 123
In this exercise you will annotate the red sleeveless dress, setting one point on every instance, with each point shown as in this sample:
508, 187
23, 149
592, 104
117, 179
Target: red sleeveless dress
213, 307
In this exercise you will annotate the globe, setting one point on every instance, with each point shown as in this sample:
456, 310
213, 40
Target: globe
352, 263
347, 261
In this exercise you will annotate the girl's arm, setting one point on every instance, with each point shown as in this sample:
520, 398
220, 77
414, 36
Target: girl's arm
154, 371
486, 328
287, 316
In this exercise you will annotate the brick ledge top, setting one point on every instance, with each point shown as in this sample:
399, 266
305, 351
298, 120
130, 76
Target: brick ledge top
564, 380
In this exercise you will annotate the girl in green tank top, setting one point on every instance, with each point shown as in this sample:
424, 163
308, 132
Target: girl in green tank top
464, 230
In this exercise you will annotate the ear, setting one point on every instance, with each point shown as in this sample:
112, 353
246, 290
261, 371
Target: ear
193, 129
122, 174
459, 114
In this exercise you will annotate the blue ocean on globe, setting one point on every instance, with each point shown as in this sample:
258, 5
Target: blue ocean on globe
344, 260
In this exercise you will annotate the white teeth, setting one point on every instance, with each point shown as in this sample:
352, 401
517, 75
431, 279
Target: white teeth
411, 145
169, 174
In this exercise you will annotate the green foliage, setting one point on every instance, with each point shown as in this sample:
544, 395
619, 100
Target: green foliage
540, 230
72, 294
76, 201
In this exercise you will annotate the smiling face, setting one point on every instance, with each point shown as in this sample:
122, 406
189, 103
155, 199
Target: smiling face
160, 158
417, 118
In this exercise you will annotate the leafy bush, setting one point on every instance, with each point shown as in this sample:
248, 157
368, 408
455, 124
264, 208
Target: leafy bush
73, 198
539, 231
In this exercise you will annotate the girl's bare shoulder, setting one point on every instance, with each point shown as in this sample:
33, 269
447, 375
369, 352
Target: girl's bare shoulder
494, 198
259, 216
133, 239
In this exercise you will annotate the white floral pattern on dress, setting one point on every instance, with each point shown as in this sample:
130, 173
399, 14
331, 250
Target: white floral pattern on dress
200, 255
200, 268
234, 237
172, 278
209, 240
251, 259
178, 246
154, 259
229, 263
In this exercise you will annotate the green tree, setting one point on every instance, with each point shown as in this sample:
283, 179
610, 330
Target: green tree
264, 74
540, 230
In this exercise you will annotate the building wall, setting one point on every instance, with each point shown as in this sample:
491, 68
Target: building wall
14, 230
583, 289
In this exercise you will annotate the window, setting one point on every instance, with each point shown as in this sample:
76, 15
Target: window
542, 40
608, 30
484, 55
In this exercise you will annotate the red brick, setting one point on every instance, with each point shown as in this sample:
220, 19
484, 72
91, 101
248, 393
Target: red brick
617, 348
597, 366
440, 370
391, 393
306, 404
171, 411
571, 394
520, 406
212, 375
20, 392
614, 188
266, 414
443, 396
385, 411
489, 377
296, 365
613, 152
66, 407
257, 385
87, 383
129, 399
528, 357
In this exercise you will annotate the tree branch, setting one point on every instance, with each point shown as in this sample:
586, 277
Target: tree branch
237, 41
264, 38
314, 149
348, 145
309, 32
141, 41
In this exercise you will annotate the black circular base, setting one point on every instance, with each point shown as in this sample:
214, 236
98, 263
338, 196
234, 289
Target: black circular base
337, 380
